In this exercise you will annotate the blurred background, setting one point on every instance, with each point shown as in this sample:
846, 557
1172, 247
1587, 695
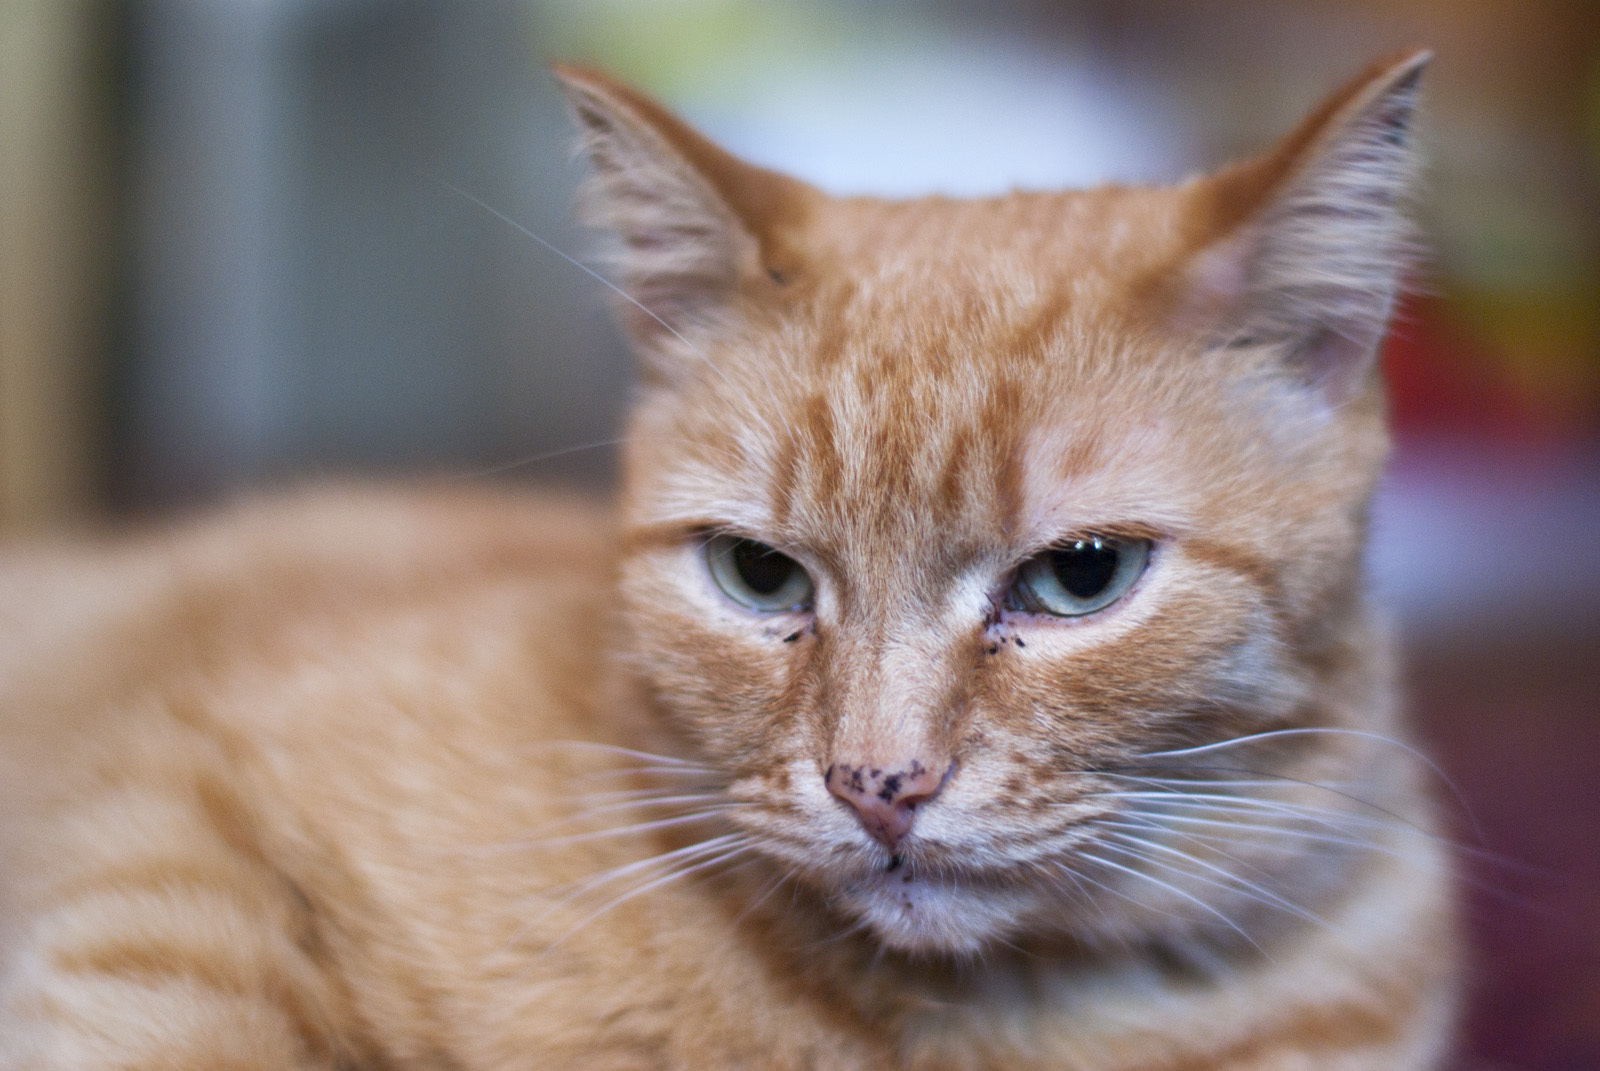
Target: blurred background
241, 244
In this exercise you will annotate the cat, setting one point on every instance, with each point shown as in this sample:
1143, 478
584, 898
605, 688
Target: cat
977, 672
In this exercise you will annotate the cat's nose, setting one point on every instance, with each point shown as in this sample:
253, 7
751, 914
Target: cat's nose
886, 797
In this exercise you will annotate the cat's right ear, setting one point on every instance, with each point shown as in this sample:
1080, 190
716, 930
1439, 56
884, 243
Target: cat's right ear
699, 229
1306, 245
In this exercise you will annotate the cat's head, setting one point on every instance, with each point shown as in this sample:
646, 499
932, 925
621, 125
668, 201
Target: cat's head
949, 522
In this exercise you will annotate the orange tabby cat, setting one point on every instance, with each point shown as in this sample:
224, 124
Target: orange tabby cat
978, 673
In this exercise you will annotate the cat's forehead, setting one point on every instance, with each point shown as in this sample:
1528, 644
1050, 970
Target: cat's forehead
896, 438
937, 297
1085, 244
959, 377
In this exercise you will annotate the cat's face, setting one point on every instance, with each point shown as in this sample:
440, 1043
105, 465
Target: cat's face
946, 519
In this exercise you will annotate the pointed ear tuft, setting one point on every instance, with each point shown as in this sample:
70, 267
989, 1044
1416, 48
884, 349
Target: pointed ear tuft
696, 225
1308, 243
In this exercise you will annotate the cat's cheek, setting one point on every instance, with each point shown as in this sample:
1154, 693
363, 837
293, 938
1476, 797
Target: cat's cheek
1089, 692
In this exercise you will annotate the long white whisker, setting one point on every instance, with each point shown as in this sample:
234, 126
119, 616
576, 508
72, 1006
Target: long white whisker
1223, 801
613, 749
1226, 801
645, 802
644, 796
1365, 734
702, 815
1179, 892
1234, 825
1264, 781
1173, 823
1282, 781
652, 771
581, 266
687, 851
1119, 893
534, 459
1225, 879
1273, 734
773, 886
1214, 842
1080, 893
676, 874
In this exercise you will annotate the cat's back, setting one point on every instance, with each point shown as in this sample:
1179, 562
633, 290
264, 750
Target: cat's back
271, 671
267, 578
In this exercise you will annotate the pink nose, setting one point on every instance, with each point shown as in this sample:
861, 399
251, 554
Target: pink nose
886, 798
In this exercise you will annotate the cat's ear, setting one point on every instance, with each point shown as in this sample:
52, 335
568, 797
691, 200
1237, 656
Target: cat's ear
1308, 243
698, 227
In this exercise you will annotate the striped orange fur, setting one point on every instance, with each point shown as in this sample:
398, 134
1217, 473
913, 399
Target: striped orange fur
977, 673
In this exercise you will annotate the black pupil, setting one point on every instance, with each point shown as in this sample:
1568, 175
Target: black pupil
761, 567
1086, 567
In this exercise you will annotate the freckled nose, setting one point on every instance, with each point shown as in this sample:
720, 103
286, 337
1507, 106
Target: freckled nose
885, 798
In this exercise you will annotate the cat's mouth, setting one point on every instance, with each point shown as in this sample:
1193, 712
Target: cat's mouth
931, 911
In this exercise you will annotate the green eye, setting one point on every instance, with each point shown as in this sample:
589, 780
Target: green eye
754, 575
1079, 577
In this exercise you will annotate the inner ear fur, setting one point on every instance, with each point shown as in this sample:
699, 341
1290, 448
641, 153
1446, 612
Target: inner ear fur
698, 227
1304, 248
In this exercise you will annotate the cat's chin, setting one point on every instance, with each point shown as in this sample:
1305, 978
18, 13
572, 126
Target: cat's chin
931, 915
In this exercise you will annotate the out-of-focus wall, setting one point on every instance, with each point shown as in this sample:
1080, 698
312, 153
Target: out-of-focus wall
53, 273
316, 290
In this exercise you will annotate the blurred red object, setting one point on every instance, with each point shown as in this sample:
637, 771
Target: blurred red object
1443, 383
1447, 382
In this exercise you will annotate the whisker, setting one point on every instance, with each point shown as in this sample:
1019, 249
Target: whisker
1179, 892
644, 795
1226, 878
652, 771
674, 875
690, 851
646, 804
1213, 842
1225, 802
1285, 780
1159, 823
1365, 734
535, 459
1079, 893
1230, 825
597, 276
627, 831
613, 749
1077, 876
773, 886
1265, 780
646, 801
1222, 802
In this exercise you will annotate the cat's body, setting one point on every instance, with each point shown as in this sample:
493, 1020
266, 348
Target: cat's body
462, 780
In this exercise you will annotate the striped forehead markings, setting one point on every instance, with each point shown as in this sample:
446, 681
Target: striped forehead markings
891, 460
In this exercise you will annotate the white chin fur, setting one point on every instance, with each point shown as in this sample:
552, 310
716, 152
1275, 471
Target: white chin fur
914, 913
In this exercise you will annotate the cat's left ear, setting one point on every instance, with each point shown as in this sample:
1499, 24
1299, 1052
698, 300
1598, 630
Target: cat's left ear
1307, 244
700, 229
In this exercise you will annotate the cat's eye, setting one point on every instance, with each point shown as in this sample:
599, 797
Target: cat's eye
1078, 577
754, 575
